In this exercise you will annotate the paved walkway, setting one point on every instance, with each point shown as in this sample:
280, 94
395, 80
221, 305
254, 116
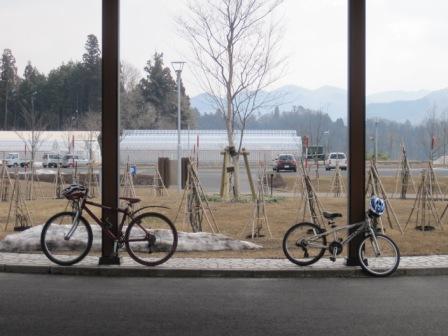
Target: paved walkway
215, 267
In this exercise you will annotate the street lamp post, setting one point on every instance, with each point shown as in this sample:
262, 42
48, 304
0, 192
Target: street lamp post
178, 66
327, 150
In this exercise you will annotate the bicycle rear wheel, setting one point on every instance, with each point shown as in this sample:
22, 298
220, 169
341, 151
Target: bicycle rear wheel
64, 241
301, 246
151, 239
378, 257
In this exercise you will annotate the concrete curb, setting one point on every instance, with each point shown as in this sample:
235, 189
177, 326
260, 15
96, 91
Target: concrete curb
126, 271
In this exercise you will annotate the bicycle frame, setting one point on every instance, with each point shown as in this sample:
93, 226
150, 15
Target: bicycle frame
360, 227
83, 206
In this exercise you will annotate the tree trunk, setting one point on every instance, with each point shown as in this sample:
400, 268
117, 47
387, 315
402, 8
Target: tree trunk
230, 137
6, 109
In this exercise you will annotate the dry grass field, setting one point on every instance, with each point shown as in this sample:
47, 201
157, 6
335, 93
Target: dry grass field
233, 216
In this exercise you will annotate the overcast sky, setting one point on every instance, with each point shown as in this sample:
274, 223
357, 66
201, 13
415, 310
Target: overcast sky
407, 45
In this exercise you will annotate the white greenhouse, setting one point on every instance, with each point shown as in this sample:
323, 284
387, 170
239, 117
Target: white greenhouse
207, 145
146, 146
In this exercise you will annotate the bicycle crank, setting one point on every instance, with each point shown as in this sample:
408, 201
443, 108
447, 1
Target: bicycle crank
335, 248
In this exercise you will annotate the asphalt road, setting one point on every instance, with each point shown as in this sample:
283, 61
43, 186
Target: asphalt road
60, 305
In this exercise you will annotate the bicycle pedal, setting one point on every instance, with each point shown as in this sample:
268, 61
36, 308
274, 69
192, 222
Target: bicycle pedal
333, 259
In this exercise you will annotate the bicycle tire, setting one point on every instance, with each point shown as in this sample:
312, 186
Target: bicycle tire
379, 266
289, 247
151, 239
59, 250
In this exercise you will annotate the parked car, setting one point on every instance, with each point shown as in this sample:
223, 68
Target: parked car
70, 160
285, 162
14, 160
336, 159
51, 160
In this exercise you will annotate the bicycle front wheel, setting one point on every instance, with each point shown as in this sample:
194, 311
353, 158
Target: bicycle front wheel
151, 239
301, 245
379, 255
66, 240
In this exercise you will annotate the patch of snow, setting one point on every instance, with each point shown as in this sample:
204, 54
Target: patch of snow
46, 171
29, 241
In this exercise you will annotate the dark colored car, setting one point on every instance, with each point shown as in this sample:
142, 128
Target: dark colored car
285, 162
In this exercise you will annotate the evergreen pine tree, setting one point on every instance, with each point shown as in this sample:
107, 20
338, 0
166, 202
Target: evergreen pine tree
160, 89
9, 79
91, 61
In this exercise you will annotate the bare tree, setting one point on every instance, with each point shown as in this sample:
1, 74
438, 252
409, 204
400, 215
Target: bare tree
91, 123
35, 125
234, 43
129, 76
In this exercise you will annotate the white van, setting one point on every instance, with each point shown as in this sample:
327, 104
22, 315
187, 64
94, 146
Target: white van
335, 159
51, 160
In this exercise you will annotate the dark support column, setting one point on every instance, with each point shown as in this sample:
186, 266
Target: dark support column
110, 125
356, 118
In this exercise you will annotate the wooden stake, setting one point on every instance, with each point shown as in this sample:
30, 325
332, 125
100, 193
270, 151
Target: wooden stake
259, 215
196, 206
6, 184
425, 206
17, 205
375, 187
310, 204
337, 186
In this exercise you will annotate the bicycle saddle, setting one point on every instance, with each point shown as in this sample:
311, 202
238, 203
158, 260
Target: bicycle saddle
331, 215
130, 200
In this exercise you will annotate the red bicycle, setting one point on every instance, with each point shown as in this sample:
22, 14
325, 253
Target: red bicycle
150, 237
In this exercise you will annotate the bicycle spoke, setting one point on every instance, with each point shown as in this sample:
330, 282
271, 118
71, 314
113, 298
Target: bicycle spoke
65, 242
379, 256
303, 244
151, 239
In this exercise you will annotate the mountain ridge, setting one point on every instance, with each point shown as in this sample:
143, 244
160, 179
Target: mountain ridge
389, 105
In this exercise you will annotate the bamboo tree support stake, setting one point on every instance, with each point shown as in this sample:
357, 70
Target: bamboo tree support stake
311, 203
376, 187
127, 183
259, 215
299, 189
425, 206
32, 182
17, 205
403, 175
6, 184
92, 181
195, 203
58, 183
434, 183
157, 184
337, 186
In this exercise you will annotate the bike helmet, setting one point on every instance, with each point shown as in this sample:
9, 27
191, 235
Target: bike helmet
74, 191
377, 206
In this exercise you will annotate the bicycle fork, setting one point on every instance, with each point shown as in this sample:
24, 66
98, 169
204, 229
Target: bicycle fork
73, 228
376, 247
